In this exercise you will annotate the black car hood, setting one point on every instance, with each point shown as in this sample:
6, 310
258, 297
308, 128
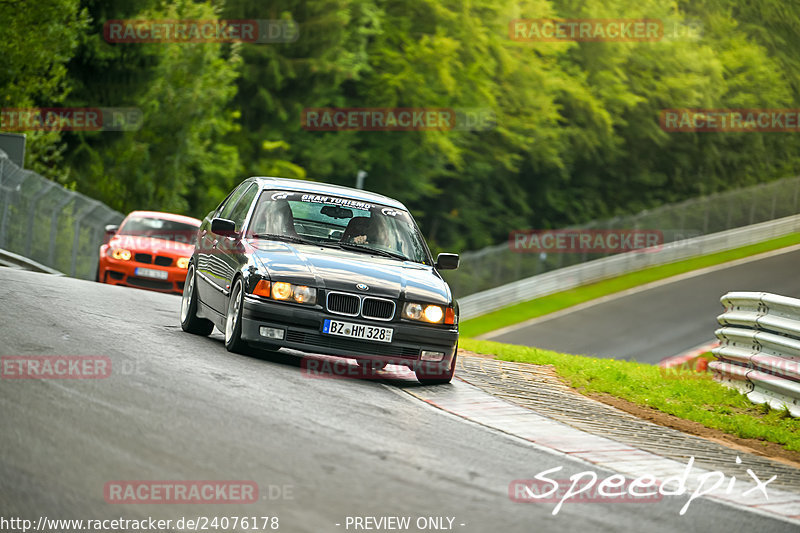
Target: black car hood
341, 270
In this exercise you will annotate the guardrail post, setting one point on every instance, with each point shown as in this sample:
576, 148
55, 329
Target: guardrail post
76, 241
51, 252
32, 213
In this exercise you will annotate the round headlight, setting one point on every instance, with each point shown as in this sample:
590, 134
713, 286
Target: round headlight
281, 290
413, 311
121, 254
304, 295
434, 313
183, 262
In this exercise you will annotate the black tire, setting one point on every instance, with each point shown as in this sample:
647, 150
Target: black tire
190, 322
435, 375
233, 320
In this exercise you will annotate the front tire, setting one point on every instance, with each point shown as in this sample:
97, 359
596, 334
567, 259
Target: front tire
190, 322
233, 320
436, 376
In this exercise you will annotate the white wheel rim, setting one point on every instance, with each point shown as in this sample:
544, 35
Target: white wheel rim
233, 314
186, 299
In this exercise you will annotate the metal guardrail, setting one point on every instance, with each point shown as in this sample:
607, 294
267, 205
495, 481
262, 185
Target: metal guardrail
759, 352
593, 271
48, 224
499, 264
10, 259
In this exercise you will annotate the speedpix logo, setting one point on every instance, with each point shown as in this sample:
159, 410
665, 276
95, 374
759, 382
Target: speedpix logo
586, 487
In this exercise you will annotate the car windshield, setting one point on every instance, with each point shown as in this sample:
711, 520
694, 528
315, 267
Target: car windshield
338, 221
158, 228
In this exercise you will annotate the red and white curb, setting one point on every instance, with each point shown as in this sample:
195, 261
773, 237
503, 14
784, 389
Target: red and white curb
678, 360
471, 403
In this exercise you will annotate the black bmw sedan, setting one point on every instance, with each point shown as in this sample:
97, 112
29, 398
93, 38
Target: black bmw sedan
323, 269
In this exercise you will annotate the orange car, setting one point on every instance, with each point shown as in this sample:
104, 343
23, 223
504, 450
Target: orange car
149, 250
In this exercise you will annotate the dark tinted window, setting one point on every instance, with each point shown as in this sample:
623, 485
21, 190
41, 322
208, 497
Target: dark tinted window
239, 212
230, 203
338, 220
158, 228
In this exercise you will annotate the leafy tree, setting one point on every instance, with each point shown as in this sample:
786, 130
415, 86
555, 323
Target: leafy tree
177, 161
39, 38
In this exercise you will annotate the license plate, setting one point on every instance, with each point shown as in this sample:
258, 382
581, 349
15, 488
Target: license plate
150, 273
357, 331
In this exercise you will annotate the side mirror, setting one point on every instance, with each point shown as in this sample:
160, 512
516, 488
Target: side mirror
447, 261
110, 230
223, 226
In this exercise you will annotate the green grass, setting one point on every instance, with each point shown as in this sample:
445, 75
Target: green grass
685, 394
561, 300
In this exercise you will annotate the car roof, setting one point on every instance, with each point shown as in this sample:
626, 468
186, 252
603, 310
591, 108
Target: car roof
316, 187
166, 216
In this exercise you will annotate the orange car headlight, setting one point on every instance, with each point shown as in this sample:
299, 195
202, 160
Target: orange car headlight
281, 290
435, 314
121, 253
183, 262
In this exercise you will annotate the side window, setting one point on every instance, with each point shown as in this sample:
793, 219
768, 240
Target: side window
243, 206
230, 202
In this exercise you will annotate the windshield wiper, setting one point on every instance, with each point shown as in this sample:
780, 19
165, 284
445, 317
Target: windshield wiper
279, 237
367, 249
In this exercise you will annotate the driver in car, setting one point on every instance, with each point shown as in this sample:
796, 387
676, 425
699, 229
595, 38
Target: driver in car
367, 230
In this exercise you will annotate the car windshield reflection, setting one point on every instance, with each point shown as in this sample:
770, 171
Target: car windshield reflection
345, 223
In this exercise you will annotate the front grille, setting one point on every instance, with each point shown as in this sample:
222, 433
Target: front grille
343, 304
377, 308
350, 345
143, 258
163, 260
150, 283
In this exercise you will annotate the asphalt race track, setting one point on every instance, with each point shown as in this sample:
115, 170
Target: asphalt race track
667, 320
179, 407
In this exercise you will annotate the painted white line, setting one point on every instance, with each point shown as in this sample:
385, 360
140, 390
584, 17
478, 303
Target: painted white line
634, 290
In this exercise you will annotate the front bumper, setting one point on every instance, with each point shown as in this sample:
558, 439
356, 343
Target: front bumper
303, 327
117, 272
